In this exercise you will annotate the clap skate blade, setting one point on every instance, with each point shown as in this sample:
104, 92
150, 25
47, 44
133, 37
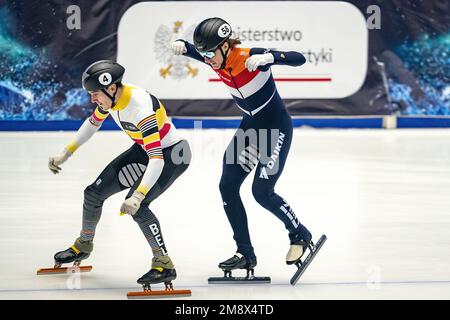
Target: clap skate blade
168, 292
303, 265
57, 269
228, 278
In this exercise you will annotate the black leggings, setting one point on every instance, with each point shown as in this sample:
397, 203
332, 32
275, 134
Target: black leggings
262, 142
125, 172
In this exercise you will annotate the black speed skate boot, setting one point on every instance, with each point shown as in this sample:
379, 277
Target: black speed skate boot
162, 270
239, 261
80, 250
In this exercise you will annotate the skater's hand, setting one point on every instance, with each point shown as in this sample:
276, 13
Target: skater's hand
178, 48
257, 60
54, 162
132, 204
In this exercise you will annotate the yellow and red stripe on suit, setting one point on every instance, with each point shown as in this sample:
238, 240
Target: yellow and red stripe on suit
136, 107
150, 132
151, 139
98, 116
143, 117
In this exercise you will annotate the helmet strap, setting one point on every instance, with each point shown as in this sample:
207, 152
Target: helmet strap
112, 97
224, 56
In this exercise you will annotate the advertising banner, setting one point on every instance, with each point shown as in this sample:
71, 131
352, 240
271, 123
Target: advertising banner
331, 35
364, 58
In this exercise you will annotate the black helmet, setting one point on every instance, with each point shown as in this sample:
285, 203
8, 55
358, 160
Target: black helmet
101, 74
211, 33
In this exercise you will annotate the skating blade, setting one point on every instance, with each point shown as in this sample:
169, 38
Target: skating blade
49, 271
241, 280
308, 260
159, 294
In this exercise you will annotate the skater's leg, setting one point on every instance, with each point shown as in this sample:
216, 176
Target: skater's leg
176, 161
162, 269
119, 175
230, 184
114, 178
263, 191
267, 173
151, 229
239, 160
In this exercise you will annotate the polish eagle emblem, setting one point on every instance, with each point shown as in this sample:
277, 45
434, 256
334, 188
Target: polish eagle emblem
176, 67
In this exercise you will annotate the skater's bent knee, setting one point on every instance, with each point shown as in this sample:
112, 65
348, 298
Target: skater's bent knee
261, 192
91, 194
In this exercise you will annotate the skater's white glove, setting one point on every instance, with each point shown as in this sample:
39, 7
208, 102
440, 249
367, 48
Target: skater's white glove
178, 48
54, 162
257, 60
132, 204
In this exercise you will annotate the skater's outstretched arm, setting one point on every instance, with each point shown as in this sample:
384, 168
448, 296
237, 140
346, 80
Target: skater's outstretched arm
182, 47
84, 133
263, 59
